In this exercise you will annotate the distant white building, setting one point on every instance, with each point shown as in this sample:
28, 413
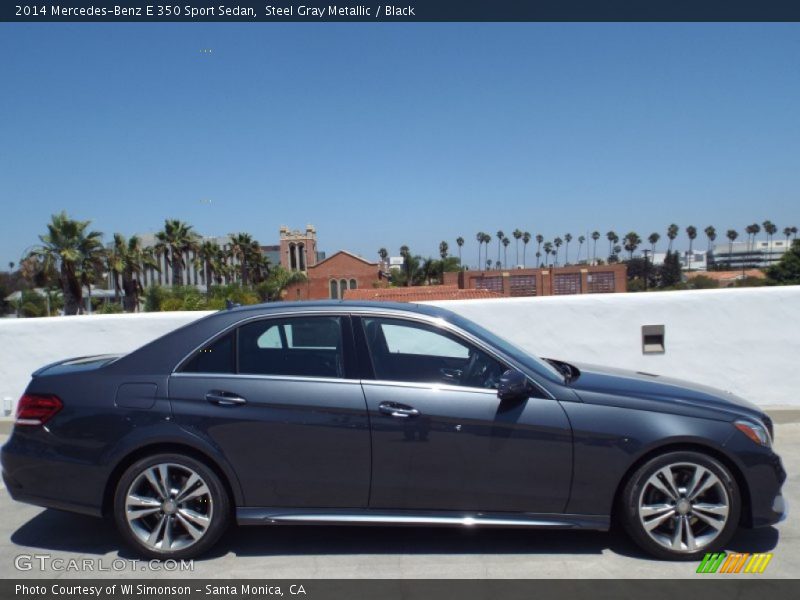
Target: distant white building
746, 254
193, 274
695, 261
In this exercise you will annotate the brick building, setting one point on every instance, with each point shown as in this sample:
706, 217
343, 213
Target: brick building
419, 293
333, 276
577, 279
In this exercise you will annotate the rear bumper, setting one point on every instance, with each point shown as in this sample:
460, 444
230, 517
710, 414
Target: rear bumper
36, 478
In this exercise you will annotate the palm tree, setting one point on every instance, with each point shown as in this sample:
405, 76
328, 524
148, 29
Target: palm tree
548, 248
770, 229
595, 237
443, 248
384, 254
794, 232
632, 241
753, 230
731, 234
208, 260
506, 242
517, 235
63, 253
539, 240
479, 237
244, 249
128, 260
174, 241
406, 254
459, 243
612, 238
487, 239
526, 238
672, 233
787, 231
711, 234
93, 262
653, 239
567, 240
557, 242
500, 236
691, 231
581, 242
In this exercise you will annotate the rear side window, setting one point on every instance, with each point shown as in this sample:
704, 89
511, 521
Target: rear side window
301, 346
217, 357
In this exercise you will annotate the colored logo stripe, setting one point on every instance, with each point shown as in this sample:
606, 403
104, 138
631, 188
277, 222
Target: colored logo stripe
722, 562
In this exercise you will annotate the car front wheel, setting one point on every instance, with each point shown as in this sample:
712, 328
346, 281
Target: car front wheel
171, 506
681, 505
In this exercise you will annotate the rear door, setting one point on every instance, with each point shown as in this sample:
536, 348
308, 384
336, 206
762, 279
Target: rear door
276, 396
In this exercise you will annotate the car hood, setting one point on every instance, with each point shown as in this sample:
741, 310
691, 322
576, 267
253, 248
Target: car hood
609, 383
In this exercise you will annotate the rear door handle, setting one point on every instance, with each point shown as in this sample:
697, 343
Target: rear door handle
224, 398
401, 411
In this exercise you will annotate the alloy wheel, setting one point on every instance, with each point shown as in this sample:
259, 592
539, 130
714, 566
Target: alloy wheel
169, 507
684, 507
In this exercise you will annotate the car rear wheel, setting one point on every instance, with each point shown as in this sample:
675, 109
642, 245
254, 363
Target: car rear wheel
171, 506
681, 505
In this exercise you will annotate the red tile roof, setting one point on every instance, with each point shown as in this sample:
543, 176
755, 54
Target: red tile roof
418, 293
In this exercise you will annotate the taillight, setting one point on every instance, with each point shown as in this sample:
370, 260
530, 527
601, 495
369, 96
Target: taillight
37, 409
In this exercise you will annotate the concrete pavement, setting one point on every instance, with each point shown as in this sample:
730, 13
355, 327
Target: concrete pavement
34, 539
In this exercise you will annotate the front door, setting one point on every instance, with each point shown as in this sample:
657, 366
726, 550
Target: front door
441, 438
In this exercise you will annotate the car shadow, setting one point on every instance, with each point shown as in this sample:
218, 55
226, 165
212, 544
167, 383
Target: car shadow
60, 531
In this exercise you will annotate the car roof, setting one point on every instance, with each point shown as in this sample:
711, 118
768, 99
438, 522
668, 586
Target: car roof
343, 306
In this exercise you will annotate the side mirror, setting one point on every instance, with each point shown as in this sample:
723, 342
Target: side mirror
513, 385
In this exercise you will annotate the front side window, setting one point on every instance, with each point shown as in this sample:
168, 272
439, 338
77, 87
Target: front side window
301, 346
414, 352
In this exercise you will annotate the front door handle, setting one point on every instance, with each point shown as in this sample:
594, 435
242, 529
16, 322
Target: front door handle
224, 398
401, 411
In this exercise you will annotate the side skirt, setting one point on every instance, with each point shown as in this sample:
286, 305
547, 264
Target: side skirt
366, 516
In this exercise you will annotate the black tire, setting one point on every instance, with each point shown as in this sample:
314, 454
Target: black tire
673, 523
213, 507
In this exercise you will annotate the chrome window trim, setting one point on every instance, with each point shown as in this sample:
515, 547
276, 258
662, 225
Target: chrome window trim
298, 378
379, 312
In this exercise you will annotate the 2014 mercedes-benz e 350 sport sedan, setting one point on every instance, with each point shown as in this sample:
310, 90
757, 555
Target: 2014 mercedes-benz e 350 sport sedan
387, 414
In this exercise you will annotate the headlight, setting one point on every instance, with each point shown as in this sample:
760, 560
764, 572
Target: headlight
755, 431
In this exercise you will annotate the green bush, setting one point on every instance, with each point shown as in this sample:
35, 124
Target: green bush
168, 304
703, 282
31, 309
153, 297
110, 308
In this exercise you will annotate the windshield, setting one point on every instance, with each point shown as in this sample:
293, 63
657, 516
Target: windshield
535, 364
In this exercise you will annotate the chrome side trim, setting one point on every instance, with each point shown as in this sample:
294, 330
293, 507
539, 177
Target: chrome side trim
289, 516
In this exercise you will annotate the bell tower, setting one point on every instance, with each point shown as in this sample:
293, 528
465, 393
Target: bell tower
298, 248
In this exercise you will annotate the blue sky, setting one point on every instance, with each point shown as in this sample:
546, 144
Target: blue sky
389, 134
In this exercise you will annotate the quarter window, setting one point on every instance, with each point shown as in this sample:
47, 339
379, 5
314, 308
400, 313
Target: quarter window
217, 357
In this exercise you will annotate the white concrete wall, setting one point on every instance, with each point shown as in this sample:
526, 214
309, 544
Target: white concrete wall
27, 344
744, 340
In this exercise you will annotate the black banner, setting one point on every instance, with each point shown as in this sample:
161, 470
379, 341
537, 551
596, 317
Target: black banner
401, 11
706, 587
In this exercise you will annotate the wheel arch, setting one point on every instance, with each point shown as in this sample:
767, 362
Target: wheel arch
746, 515
227, 478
